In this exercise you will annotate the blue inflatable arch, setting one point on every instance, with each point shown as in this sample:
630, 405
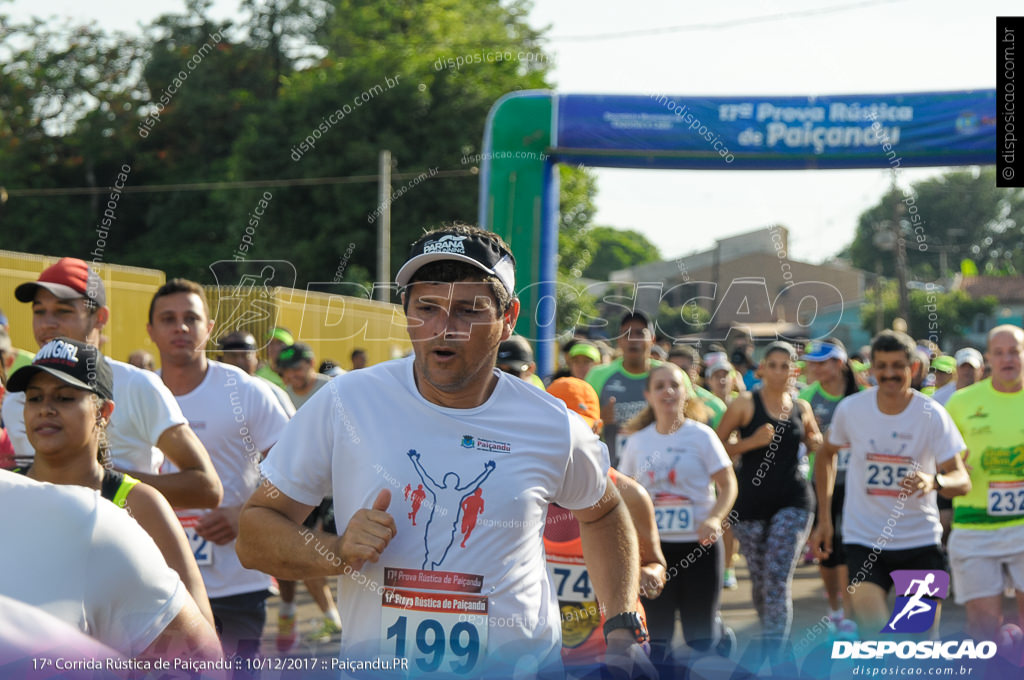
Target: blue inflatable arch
529, 132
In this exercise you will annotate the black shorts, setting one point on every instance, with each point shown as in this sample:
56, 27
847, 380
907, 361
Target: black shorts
838, 556
864, 569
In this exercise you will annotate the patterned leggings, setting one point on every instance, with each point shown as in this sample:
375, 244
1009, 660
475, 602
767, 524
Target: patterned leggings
772, 548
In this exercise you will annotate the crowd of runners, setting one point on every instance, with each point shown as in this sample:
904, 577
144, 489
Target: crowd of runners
476, 519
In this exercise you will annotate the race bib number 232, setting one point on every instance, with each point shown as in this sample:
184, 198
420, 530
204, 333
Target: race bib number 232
200, 547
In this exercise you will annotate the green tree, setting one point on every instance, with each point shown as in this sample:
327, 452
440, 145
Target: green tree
77, 104
948, 316
574, 305
616, 249
676, 322
959, 214
68, 97
384, 55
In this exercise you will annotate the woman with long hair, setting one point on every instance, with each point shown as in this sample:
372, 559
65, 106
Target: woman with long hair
774, 505
679, 459
68, 401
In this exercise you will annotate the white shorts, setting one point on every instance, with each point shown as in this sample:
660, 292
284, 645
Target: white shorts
978, 568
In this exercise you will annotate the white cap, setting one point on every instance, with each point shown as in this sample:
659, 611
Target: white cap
719, 363
969, 355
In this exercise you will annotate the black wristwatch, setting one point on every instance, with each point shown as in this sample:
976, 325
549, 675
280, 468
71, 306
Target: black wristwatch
631, 621
938, 484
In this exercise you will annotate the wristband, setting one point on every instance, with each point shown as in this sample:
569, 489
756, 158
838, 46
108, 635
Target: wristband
630, 621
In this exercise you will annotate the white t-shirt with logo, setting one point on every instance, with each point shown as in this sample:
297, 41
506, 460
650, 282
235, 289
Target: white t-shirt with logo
676, 470
85, 561
883, 450
469, 494
235, 416
143, 410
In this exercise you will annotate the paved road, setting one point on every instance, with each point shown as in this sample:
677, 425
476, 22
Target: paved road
809, 606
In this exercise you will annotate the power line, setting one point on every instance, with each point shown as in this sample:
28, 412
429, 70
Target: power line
250, 184
719, 25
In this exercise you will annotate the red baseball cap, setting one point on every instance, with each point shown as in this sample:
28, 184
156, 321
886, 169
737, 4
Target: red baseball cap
68, 279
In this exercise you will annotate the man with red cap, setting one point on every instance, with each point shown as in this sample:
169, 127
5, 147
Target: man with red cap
69, 299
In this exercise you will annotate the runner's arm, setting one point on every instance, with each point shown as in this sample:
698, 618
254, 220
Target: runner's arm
187, 636
955, 479
196, 485
612, 557
641, 510
611, 552
271, 537
728, 489
824, 482
812, 435
738, 414
153, 513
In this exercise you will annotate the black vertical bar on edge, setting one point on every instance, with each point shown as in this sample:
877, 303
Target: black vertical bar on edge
1009, 133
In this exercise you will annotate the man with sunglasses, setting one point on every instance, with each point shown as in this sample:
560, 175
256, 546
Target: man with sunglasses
440, 427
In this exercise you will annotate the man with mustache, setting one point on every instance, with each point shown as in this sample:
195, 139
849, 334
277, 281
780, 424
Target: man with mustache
904, 448
446, 418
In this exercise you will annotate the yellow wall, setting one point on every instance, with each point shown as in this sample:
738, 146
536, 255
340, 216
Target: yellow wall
129, 290
333, 325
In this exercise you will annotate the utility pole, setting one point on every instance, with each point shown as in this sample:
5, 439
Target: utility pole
901, 254
384, 228
879, 305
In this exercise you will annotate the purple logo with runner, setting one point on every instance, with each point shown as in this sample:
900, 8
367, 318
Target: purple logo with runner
913, 613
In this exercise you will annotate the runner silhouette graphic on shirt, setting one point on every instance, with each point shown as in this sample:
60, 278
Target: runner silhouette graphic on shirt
471, 507
417, 499
446, 499
408, 488
914, 604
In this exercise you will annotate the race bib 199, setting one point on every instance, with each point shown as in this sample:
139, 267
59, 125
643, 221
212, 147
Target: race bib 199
200, 547
1006, 499
885, 472
436, 619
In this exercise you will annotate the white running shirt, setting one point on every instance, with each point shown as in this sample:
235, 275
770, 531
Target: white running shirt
236, 417
469, 494
676, 470
85, 561
883, 450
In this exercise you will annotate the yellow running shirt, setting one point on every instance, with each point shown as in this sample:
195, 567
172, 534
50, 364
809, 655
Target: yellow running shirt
993, 429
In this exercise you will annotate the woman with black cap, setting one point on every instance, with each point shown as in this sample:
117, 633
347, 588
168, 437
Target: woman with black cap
68, 402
